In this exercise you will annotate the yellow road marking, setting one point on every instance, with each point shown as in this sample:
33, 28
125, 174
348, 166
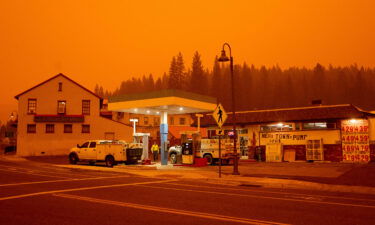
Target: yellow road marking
65, 180
274, 192
80, 189
170, 210
265, 197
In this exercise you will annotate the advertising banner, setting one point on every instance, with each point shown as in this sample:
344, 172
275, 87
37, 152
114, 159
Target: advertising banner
299, 137
355, 140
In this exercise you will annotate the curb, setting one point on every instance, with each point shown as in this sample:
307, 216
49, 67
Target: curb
12, 158
294, 184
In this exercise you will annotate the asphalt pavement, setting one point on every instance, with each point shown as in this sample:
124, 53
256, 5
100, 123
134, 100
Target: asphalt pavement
341, 177
33, 192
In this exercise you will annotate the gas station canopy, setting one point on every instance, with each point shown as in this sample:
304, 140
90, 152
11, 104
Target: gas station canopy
162, 103
170, 101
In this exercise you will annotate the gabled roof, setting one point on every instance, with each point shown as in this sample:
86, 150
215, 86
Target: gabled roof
58, 75
310, 113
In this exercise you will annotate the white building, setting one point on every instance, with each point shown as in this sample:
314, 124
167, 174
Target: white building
58, 114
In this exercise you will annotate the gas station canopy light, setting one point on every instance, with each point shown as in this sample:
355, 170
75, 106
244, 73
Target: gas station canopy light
170, 101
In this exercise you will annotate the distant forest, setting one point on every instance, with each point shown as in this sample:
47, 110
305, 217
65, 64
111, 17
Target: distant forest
261, 87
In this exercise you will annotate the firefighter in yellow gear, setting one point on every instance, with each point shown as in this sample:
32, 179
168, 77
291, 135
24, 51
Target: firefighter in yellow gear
155, 151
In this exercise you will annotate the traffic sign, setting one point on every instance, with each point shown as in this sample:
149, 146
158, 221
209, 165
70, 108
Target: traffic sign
220, 115
220, 132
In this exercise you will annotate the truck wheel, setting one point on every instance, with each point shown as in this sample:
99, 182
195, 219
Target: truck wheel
73, 158
109, 161
209, 158
173, 158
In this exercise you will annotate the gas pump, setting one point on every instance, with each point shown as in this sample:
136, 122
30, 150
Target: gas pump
137, 137
190, 147
187, 153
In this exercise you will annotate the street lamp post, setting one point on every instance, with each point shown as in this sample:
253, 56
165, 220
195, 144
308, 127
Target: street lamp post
224, 58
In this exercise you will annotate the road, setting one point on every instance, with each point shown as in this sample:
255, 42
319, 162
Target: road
38, 193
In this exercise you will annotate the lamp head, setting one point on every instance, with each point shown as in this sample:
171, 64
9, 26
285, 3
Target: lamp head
223, 57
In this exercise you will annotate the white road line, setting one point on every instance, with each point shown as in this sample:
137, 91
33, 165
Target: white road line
171, 210
33, 174
275, 192
81, 189
65, 180
44, 171
265, 197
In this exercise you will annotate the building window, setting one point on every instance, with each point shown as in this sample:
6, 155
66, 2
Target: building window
50, 128
68, 128
61, 107
145, 120
318, 126
31, 106
85, 128
85, 107
243, 131
314, 150
9, 134
211, 133
31, 128
171, 120
120, 115
182, 121
60, 86
276, 127
156, 121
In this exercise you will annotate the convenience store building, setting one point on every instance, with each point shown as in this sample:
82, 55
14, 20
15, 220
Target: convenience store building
333, 133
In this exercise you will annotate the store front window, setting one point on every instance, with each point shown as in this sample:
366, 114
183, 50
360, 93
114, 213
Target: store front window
276, 127
318, 126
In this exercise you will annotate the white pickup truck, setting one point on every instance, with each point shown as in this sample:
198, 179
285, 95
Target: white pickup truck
108, 151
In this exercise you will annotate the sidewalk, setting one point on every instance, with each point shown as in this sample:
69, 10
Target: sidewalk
337, 177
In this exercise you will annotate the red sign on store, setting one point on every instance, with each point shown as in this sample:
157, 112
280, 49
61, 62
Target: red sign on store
355, 140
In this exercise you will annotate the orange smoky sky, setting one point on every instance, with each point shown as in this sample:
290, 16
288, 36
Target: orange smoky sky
106, 42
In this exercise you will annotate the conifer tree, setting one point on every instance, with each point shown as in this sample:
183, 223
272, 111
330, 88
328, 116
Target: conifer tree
198, 79
173, 78
164, 81
215, 80
158, 84
96, 89
180, 72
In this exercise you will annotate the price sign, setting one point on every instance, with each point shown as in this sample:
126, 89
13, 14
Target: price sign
355, 140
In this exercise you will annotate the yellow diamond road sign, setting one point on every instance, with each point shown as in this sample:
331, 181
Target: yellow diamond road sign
220, 115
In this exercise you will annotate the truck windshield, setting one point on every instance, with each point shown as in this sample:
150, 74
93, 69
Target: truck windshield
85, 145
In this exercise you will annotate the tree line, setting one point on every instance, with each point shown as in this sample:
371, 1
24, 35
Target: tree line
260, 87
